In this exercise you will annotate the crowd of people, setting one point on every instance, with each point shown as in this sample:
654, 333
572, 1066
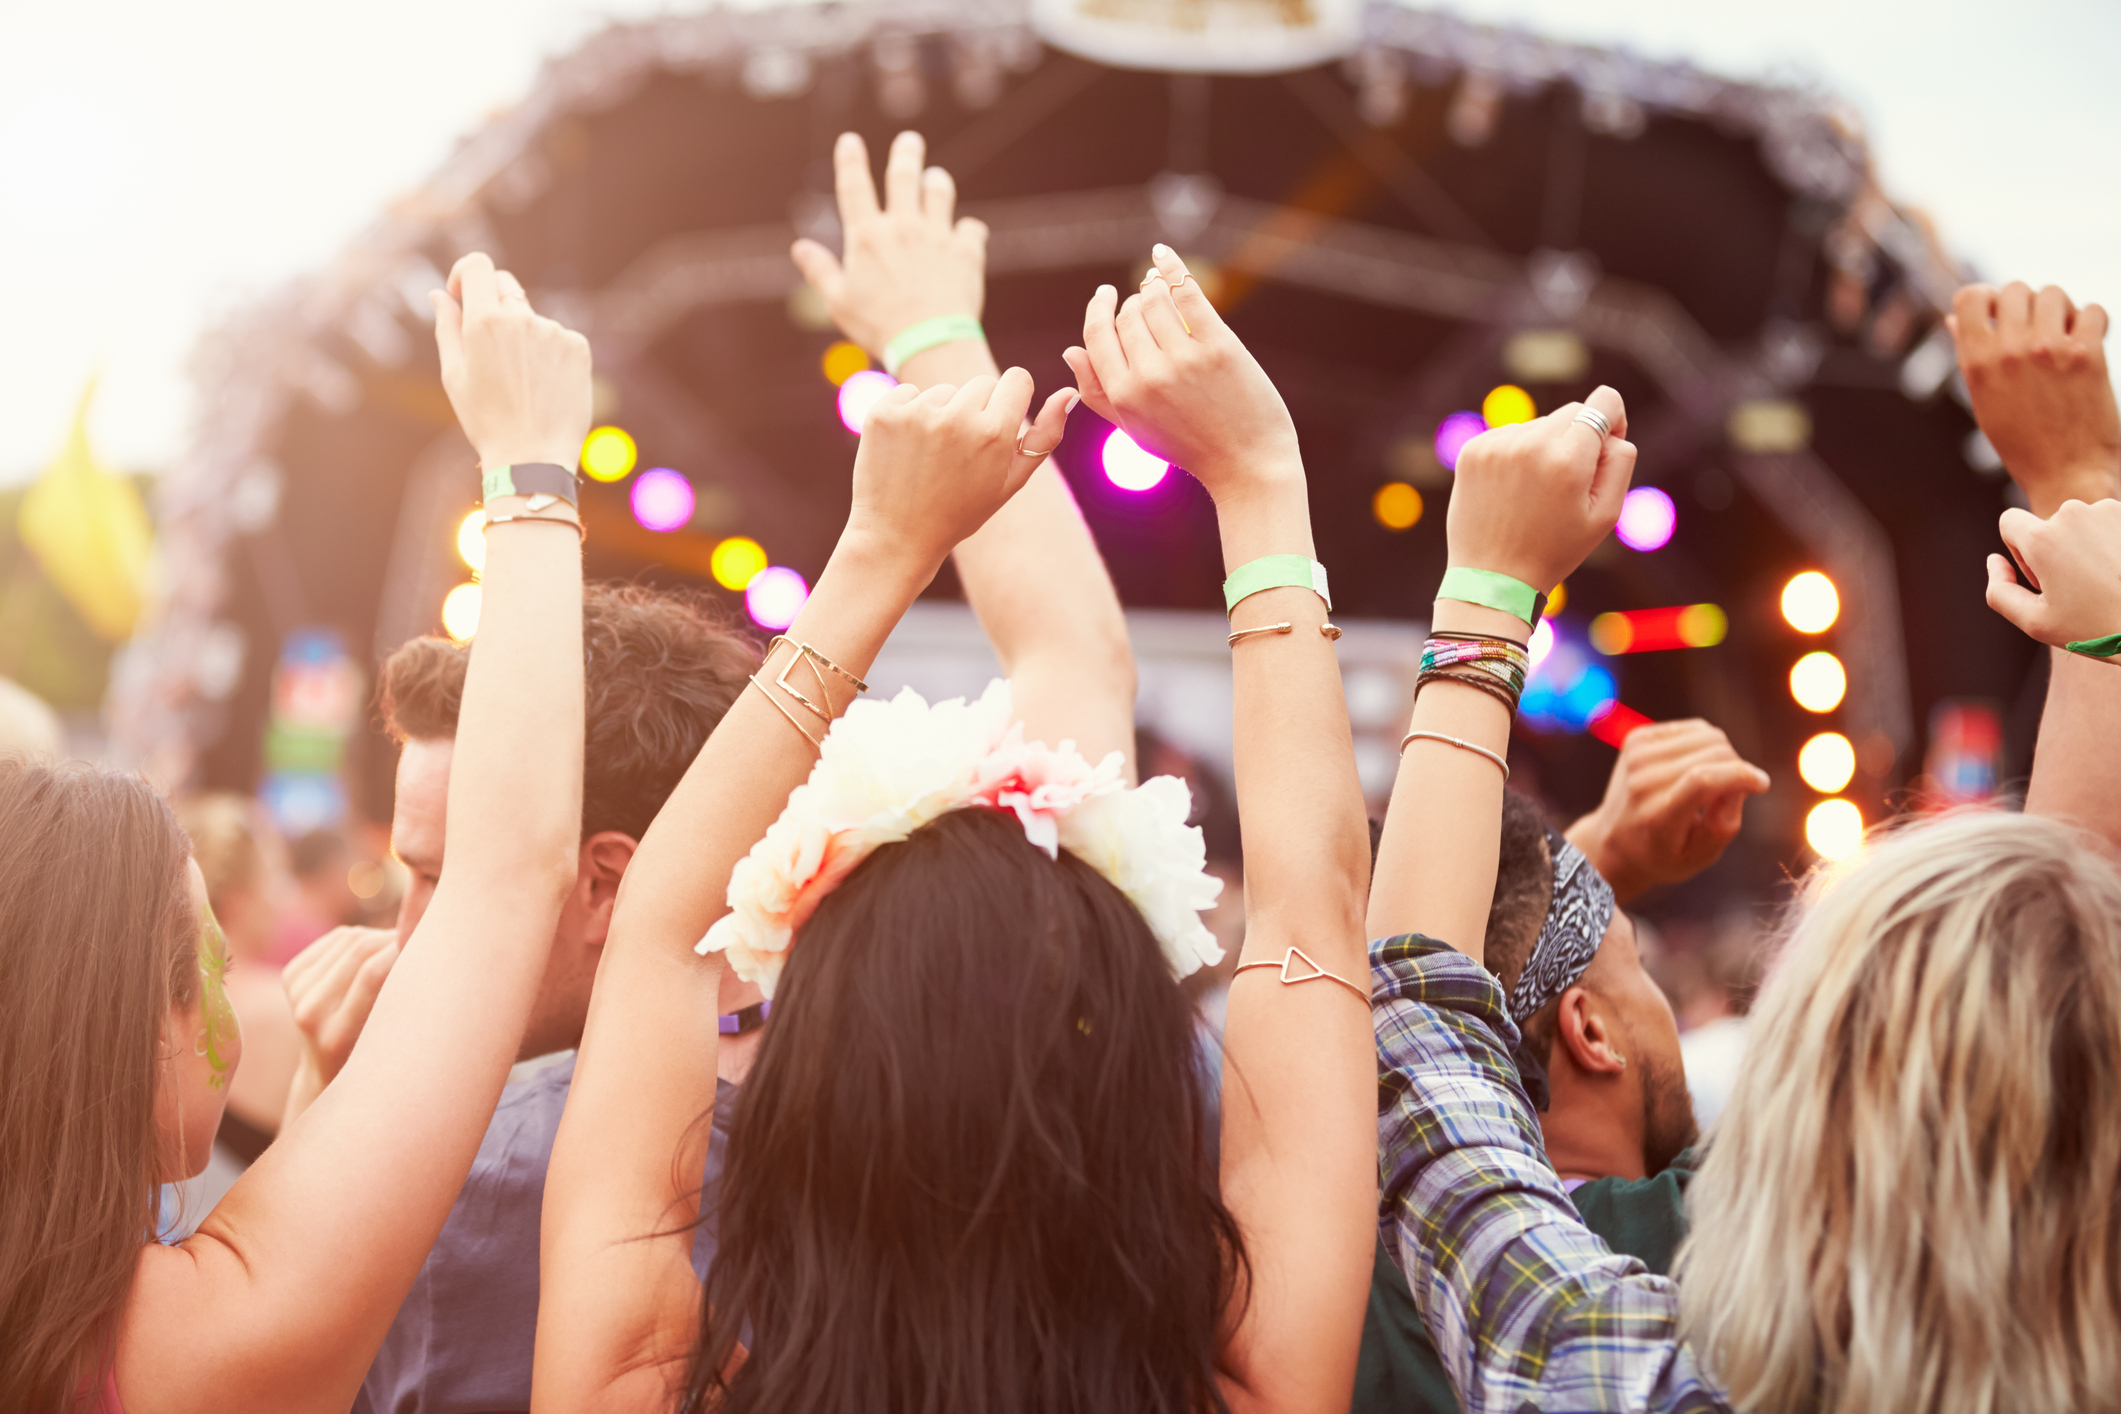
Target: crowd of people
877, 1084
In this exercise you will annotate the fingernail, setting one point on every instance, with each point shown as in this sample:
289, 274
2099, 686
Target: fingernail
1073, 399
1107, 290
1163, 252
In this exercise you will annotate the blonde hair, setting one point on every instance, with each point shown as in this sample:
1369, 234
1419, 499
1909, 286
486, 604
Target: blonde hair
1910, 1202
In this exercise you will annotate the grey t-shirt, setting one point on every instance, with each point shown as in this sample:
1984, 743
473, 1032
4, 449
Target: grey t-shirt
461, 1343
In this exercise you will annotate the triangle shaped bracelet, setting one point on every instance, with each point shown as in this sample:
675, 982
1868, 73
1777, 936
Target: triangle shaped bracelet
1299, 966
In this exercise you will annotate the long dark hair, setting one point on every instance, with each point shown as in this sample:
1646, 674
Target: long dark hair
969, 1172
97, 942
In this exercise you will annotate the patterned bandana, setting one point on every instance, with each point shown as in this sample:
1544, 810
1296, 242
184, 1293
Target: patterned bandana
1581, 911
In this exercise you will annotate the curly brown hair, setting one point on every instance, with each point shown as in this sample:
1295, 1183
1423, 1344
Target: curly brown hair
662, 666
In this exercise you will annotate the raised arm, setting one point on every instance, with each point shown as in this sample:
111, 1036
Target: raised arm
1528, 503
289, 1285
618, 1304
1032, 573
2036, 367
1298, 1144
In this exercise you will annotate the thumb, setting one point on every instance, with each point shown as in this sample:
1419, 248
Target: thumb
449, 332
2025, 609
1609, 483
819, 266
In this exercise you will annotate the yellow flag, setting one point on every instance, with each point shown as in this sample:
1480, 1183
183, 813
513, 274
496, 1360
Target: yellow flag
89, 530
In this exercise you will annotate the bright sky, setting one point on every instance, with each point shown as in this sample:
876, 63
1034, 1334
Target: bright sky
161, 163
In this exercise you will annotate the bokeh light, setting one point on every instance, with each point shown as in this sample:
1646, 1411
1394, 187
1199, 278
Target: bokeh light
1818, 682
471, 540
1557, 599
736, 562
1647, 518
1811, 603
1542, 642
1129, 466
460, 612
1827, 762
1506, 404
1453, 434
1703, 625
842, 361
1396, 505
662, 499
775, 596
608, 454
1659, 630
1612, 633
1834, 829
859, 394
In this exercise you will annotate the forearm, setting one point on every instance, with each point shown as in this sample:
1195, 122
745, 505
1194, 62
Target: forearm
1436, 860
1034, 577
2078, 756
1298, 1144
632, 1142
302, 1092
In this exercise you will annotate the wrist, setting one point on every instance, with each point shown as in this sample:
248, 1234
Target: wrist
958, 362
1266, 517
1456, 616
891, 562
2089, 483
528, 452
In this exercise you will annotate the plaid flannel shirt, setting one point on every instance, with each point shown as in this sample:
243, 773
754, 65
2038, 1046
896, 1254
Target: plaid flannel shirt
1529, 1309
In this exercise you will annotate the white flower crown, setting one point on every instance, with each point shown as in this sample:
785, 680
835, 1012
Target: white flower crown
888, 768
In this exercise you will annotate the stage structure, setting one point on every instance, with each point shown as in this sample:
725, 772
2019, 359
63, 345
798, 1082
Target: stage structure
1417, 222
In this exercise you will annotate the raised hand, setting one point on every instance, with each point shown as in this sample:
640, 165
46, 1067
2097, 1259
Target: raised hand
2073, 559
1675, 799
1531, 499
2036, 367
331, 986
1165, 367
905, 259
934, 465
519, 382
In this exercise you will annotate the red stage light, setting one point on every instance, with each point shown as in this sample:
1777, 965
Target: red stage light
1613, 725
1655, 630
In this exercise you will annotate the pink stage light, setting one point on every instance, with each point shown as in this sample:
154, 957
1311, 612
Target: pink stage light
775, 596
859, 394
1647, 518
1128, 466
1453, 434
662, 499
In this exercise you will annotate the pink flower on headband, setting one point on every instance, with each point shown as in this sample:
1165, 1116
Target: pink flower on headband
887, 768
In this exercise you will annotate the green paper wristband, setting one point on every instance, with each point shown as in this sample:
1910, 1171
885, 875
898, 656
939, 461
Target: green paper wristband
928, 334
1276, 572
1493, 591
2106, 647
529, 479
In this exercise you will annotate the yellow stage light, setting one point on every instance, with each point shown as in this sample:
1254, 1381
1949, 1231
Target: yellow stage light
1834, 829
1827, 762
1558, 599
842, 361
471, 541
1818, 682
736, 561
1396, 505
608, 454
460, 612
1811, 603
1612, 634
1506, 404
1702, 625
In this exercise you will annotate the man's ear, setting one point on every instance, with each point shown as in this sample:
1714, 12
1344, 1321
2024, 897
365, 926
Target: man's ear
604, 858
1582, 1028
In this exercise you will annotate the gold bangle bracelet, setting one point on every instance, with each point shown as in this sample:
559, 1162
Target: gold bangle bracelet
1245, 633
1290, 977
782, 708
1461, 744
569, 521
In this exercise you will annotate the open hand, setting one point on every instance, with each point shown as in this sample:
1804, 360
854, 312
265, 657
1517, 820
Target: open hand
519, 382
1531, 499
905, 260
332, 985
934, 465
1165, 367
2073, 559
1675, 799
2036, 367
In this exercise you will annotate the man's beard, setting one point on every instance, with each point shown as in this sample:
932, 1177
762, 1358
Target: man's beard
1668, 1126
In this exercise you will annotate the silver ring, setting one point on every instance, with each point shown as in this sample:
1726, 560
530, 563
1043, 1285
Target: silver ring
1595, 420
